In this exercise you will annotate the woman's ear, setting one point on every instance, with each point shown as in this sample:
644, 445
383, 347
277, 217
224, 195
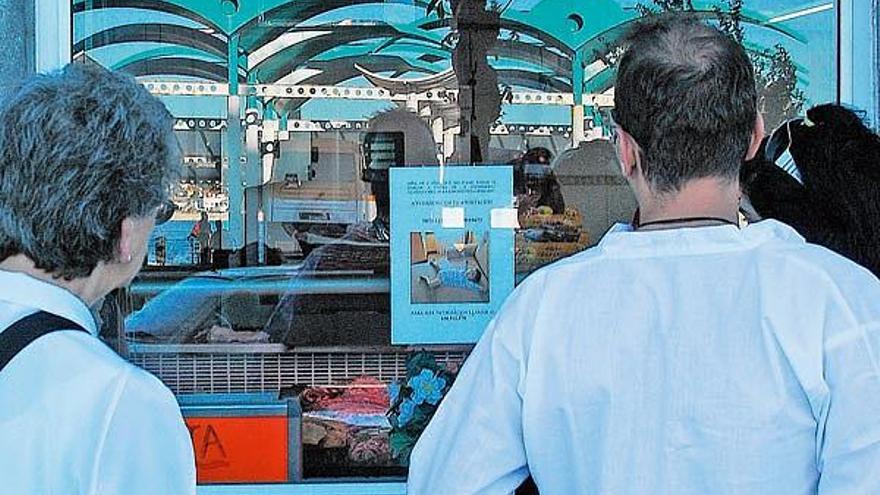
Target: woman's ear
125, 249
757, 137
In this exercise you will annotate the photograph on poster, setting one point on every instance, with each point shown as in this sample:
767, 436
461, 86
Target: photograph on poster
449, 268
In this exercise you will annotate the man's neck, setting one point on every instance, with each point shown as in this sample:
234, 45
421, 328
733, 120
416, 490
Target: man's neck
88, 289
699, 198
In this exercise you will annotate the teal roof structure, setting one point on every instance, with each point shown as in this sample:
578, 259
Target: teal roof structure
539, 45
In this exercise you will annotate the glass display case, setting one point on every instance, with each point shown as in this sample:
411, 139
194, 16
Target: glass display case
273, 275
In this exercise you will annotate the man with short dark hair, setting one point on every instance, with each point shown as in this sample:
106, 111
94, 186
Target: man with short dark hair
682, 355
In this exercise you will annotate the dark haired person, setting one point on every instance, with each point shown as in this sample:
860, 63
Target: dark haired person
821, 175
682, 355
87, 159
534, 182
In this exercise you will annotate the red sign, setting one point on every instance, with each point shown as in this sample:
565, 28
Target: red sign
240, 449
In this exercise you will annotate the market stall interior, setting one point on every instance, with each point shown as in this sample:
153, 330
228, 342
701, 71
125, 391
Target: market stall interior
269, 289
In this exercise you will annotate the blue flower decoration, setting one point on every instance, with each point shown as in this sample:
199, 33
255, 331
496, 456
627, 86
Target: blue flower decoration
407, 409
427, 387
394, 391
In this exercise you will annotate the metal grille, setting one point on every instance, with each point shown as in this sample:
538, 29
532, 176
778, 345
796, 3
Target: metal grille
270, 372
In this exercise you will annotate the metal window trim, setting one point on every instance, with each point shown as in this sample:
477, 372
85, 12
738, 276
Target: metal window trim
843, 48
857, 40
53, 34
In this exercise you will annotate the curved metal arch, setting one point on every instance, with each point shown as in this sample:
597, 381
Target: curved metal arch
170, 8
407, 45
254, 33
446, 79
608, 34
443, 79
511, 25
185, 36
347, 64
291, 57
602, 41
437, 59
533, 54
181, 67
532, 80
158, 33
599, 45
342, 69
163, 52
601, 81
334, 40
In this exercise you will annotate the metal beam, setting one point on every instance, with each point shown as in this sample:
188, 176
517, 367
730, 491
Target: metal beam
309, 91
300, 125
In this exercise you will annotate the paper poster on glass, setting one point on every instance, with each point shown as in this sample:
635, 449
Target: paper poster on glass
451, 251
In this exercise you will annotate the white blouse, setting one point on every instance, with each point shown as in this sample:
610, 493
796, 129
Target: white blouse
75, 418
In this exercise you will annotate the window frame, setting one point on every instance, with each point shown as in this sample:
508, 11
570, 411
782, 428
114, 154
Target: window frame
857, 40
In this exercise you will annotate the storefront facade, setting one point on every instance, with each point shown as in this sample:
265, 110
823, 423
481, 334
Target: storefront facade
293, 286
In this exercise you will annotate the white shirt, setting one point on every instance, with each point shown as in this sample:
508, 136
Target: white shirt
689, 361
75, 418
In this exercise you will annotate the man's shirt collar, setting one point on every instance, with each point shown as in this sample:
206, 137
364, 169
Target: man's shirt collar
623, 241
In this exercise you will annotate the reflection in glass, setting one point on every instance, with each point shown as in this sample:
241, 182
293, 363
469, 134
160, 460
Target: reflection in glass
290, 115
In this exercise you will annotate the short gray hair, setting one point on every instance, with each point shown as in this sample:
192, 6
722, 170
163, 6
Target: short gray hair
81, 149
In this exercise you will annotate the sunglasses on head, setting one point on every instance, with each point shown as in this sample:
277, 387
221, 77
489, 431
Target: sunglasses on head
778, 148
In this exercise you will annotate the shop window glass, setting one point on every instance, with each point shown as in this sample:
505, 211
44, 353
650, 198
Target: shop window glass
273, 275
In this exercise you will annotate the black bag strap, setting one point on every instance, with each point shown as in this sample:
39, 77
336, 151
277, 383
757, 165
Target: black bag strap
28, 329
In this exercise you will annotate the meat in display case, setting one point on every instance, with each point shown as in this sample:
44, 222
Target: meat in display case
277, 363
347, 426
